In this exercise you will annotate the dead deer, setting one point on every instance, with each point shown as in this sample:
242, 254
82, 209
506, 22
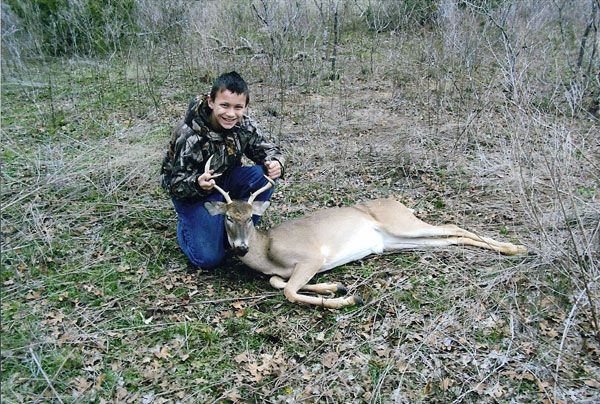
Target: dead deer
298, 249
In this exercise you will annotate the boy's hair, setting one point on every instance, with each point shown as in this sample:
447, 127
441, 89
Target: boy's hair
233, 82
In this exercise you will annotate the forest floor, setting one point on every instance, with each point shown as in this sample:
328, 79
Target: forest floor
100, 305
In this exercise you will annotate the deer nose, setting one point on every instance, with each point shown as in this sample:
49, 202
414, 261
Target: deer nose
240, 250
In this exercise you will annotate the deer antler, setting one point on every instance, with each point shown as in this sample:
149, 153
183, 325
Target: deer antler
261, 190
218, 188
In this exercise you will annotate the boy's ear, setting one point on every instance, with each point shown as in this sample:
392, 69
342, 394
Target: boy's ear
215, 207
259, 207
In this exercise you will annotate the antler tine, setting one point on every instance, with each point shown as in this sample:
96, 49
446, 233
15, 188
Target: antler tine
218, 188
207, 165
225, 194
207, 168
270, 184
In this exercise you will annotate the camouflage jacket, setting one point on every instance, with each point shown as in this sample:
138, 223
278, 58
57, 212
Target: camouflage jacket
193, 142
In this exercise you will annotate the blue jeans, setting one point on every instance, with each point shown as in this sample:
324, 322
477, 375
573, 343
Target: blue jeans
201, 236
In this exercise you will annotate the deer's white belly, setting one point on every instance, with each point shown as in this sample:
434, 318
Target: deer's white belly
362, 243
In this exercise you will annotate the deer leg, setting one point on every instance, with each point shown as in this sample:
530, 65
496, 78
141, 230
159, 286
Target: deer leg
462, 236
320, 288
300, 277
488, 243
427, 235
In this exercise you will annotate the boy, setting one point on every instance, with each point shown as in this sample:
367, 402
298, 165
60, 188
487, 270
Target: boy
215, 124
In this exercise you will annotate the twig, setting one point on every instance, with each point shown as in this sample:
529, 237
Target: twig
564, 337
39, 365
58, 371
258, 297
496, 369
582, 264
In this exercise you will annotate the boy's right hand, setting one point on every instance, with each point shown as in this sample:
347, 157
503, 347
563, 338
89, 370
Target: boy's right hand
206, 182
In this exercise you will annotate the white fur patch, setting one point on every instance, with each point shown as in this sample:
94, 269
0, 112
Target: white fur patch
364, 242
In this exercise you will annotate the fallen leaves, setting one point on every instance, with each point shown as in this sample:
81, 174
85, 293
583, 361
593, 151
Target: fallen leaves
592, 383
99, 380
261, 366
33, 295
53, 318
81, 384
121, 393
515, 375
161, 352
243, 357
495, 390
330, 359
446, 383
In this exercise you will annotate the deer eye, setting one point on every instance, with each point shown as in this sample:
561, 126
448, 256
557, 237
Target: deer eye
228, 218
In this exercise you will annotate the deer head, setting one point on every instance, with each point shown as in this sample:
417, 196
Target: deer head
237, 215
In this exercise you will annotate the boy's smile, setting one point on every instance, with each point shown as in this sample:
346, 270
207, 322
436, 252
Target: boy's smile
227, 109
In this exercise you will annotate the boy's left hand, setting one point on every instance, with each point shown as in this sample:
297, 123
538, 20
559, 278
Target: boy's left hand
273, 169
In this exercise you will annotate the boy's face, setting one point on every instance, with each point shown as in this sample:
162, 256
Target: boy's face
227, 109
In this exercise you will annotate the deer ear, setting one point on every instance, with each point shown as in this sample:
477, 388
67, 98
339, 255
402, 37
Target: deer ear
259, 207
215, 207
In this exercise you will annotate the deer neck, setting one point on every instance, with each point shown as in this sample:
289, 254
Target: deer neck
257, 257
257, 244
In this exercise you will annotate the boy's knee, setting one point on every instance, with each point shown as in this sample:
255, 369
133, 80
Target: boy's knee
259, 180
207, 261
257, 174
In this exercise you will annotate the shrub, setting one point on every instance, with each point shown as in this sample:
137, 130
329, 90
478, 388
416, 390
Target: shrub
68, 27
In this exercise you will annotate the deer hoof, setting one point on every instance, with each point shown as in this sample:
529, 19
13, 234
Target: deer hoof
341, 289
358, 300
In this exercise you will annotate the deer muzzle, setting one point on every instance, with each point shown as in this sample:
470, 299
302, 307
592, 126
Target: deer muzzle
240, 250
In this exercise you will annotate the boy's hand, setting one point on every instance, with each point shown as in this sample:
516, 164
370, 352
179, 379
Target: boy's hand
273, 169
205, 181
